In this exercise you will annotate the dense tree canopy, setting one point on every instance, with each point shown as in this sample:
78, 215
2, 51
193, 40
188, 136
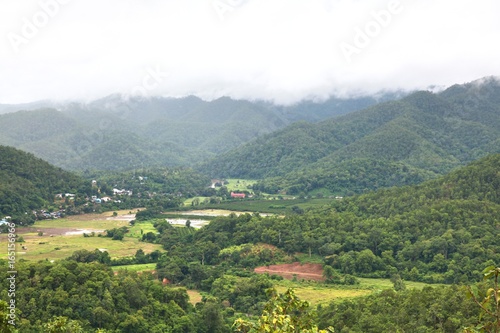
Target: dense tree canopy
28, 183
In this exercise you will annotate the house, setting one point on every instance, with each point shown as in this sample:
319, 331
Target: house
121, 192
69, 196
238, 195
217, 183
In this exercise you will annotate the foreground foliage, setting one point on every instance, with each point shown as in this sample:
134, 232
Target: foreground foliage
284, 313
489, 303
88, 296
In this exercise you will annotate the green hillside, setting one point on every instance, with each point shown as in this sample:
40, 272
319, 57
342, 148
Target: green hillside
116, 133
28, 183
441, 231
394, 143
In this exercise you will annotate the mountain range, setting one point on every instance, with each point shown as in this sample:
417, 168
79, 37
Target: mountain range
119, 133
393, 143
338, 146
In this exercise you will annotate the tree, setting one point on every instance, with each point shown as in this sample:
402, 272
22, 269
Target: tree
398, 283
140, 257
5, 327
62, 325
284, 313
490, 303
330, 274
211, 317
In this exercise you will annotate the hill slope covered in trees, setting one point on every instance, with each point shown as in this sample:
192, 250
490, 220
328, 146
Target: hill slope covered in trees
28, 183
443, 230
394, 143
118, 133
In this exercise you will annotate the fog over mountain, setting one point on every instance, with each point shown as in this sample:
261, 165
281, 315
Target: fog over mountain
120, 133
393, 143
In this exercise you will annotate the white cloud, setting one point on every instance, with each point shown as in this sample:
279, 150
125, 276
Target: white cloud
281, 50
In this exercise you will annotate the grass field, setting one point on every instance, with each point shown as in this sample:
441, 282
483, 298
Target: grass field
235, 184
187, 215
194, 296
81, 222
317, 293
141, 228
270, 206
381, 284
60, 247
135, 268
56, 242
320, 293
203, 213
189, 201
304, 258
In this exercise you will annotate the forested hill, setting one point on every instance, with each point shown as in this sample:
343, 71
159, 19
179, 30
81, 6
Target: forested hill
443, 230
116, 133
393, 143
478, 182
28, 183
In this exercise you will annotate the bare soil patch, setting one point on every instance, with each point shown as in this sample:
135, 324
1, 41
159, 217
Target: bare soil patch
125, 217
215, 212
55, 231
300, 271
47, 231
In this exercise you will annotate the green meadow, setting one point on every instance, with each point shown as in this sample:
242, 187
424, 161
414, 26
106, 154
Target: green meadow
236, 184
321, 293
59, 238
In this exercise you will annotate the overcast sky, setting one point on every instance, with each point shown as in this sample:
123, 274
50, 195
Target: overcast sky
279, 50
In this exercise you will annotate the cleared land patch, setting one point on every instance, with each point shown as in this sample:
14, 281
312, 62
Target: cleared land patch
194, 296
136, 268
300, 271
320, 293
235, 184
59, 238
